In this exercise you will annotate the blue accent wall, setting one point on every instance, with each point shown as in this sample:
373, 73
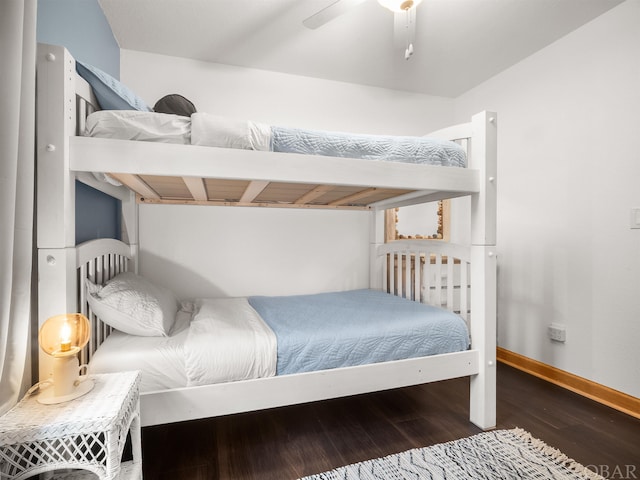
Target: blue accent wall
98, 215
80, 25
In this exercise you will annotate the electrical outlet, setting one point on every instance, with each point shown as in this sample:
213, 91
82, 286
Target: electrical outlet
557, 332
635, 218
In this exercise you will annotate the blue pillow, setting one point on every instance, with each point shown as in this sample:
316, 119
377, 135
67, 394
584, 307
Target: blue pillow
111, 94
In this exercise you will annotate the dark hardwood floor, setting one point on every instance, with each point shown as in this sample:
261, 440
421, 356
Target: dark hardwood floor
287, 443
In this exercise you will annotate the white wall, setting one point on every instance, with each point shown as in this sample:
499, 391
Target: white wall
569, 173
223, 251
283, 99
211, 251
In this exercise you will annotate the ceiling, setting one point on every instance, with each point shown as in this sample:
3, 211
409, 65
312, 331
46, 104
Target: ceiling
458, 44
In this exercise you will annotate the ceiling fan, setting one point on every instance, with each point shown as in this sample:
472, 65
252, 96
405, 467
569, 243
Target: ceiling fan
404, 23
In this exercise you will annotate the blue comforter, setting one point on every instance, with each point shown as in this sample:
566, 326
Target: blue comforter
422, 150
339, 329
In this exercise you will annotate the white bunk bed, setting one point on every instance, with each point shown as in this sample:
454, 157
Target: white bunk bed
64, 100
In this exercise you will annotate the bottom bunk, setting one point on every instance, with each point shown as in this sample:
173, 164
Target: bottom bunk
216, 340
177, 386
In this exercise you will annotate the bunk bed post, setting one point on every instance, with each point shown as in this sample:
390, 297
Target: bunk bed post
376, 236
56, 122
483, 157
130, 227
129, 209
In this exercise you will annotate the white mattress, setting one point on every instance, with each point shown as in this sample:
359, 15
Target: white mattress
215, 131
212, 341
160, 359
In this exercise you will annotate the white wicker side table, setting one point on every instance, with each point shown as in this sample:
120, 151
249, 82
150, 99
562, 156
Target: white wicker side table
87, 433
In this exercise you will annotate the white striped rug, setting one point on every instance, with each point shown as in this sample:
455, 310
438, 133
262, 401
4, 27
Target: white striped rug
499, 454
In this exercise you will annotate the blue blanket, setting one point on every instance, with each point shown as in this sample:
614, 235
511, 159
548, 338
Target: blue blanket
339, 329
422, 150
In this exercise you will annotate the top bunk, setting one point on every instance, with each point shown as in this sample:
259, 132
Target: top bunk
181, 173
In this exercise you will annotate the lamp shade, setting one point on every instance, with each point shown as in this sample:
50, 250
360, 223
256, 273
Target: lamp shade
64, 335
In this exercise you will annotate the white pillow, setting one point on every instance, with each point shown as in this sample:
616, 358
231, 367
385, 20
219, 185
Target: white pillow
132, 304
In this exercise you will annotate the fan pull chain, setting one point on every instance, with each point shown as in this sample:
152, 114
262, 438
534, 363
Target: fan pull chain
409, 50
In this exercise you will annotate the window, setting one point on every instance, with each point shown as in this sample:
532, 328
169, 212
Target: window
423, 221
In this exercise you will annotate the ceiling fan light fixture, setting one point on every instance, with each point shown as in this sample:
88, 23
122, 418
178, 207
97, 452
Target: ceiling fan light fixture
399, 5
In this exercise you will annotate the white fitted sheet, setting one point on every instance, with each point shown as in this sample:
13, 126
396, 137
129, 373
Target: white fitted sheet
160, 359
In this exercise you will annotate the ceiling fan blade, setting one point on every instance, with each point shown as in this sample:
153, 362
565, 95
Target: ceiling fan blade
404, 27
327, 14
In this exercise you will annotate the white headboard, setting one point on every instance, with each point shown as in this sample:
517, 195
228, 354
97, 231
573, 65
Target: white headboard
99, 261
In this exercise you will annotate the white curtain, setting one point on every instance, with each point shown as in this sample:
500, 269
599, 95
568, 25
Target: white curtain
17, 165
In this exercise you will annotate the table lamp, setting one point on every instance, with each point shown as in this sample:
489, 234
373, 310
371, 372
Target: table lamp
62, 337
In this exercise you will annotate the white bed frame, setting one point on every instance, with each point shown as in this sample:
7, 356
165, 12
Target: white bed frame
63, 102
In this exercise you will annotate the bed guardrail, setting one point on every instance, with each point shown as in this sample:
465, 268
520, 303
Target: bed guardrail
86, 104
432, 272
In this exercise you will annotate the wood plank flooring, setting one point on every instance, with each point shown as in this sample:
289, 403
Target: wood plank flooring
287, 443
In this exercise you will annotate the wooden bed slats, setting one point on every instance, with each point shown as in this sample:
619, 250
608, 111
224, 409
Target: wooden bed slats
188, 190
311, 195
135, 183
196, 187
368, 192
253, 190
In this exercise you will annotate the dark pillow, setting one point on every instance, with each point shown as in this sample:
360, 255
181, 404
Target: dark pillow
175, 104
